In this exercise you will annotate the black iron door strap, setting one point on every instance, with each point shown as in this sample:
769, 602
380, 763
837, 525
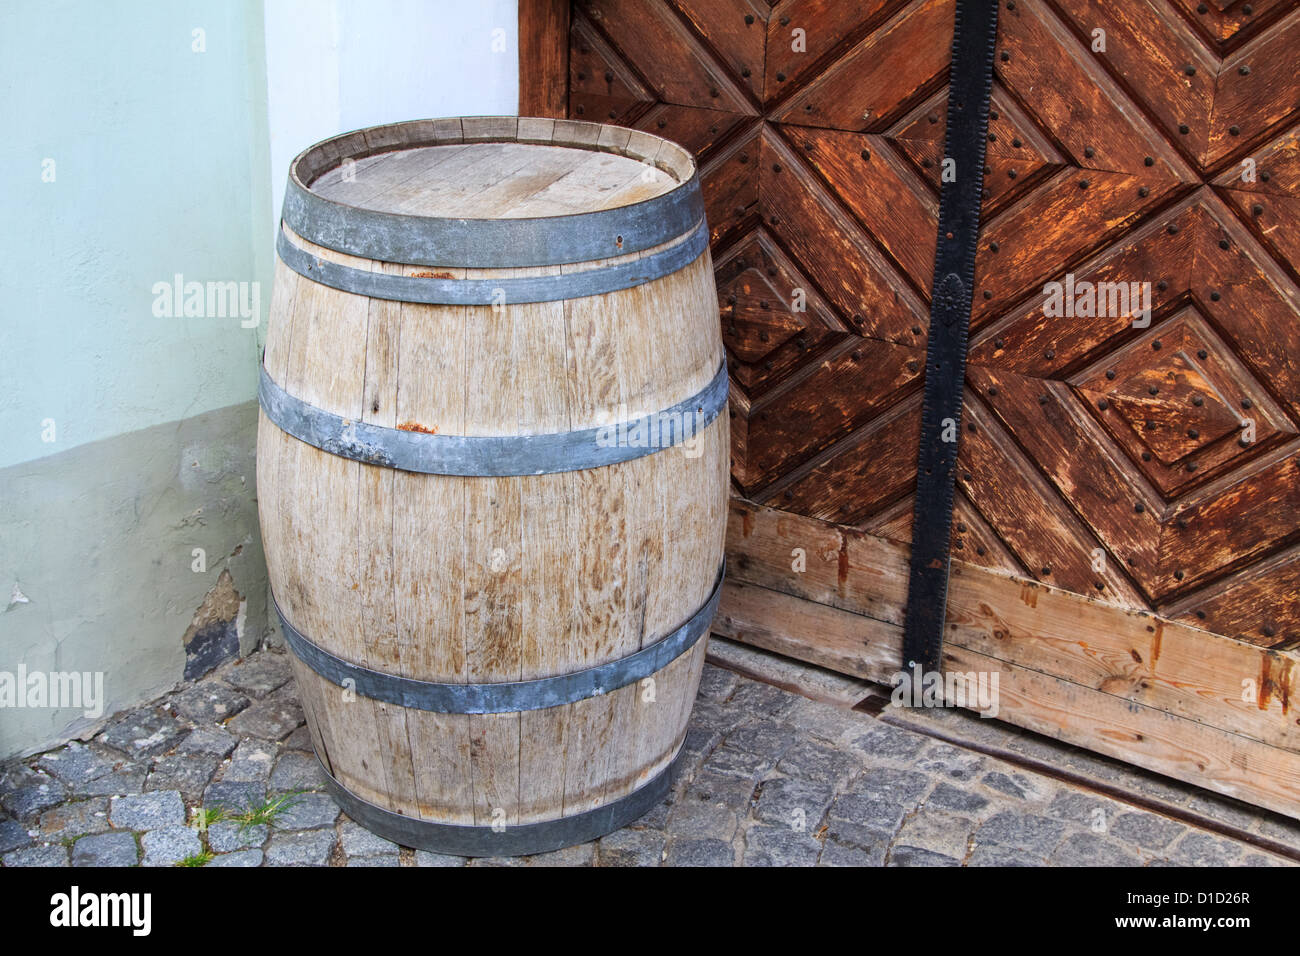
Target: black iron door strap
974, 36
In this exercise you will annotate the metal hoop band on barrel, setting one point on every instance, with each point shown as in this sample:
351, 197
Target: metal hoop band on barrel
480, 243
493, 455
507, 696
431, 290
520, 840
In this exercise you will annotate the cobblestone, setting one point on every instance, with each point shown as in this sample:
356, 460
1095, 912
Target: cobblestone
259, 674
271, 718
767, 778
425, 858
632, 848
300, 739
29, 800
251, 762
789, 801
838, 854
147, 811
917, 856
128, 778
76, 764
145, 733
707, 852
733, 762
358, 841
994, 854
950, 763
296, 771
881, 741
814, 761
948, 797
582, 855
889, 783
51, 854
1019, 785
763, 739
780, 846
233, 796
106, 849
170, 845
734, 793
825, 721
13, 835
208, 740
1090, 849
307, 812
697, 818
189, 773
1032, 834
301, 848
937, 830
869, 812
209, 702
240, 858
1205, 849
228, 836
1145, 829
71, 820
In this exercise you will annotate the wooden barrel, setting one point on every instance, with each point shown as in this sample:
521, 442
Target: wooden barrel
493, 472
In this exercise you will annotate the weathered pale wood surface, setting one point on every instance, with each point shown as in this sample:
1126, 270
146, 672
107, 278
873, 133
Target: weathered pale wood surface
495, 579
1197, 706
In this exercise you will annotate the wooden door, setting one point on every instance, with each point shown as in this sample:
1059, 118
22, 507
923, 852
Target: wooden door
1147, 142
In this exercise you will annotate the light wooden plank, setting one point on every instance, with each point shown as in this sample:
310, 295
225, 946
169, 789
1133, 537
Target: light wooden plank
1225, 683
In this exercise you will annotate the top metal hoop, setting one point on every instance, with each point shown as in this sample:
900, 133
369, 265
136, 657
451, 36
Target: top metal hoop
492, 243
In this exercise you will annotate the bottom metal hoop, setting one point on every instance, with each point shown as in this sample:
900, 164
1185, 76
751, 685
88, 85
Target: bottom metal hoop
520, 840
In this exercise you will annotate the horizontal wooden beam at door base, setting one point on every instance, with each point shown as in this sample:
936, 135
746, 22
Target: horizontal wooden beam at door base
1200, 707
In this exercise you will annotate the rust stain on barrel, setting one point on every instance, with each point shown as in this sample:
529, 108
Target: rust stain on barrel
417, 427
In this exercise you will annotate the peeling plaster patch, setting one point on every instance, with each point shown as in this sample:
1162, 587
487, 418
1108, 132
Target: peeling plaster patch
193, 519
17, 597
213, 634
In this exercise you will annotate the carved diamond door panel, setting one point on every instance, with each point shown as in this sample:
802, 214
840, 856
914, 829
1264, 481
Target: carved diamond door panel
1133, 391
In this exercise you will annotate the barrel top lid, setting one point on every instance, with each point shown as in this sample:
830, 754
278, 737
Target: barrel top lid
493, 192
493, 168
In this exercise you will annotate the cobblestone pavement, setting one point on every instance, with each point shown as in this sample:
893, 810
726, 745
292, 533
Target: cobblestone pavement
770, 778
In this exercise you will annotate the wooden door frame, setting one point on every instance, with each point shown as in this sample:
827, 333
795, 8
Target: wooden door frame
544, 58
1200, 707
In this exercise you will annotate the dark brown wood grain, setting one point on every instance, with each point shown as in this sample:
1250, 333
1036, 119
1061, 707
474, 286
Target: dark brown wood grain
543, 58
876, 80
1257, 609
1018, 156
1099, 484
1060, 222
1227, 24
1249, 106
1004, 485
1152, 50
835, 253
821, 168
826, 402
829, 27
1232, 522
881, 192
739, 43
